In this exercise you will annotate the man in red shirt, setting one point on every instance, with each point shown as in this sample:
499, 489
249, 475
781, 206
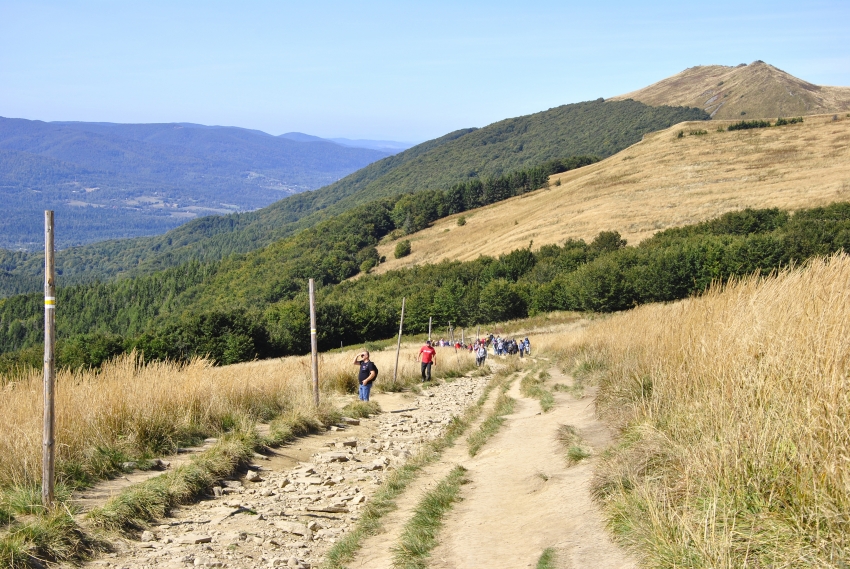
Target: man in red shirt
428, 356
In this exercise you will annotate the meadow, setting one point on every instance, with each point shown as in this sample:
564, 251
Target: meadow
661, 182
132, 411
733, 410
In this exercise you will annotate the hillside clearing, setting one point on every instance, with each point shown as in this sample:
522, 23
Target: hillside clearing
661, 182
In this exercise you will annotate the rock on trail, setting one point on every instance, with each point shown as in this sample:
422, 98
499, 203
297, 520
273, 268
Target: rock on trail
288, 510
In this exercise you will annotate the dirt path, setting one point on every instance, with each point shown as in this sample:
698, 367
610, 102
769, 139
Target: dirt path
308, 494
522, 499
376, 551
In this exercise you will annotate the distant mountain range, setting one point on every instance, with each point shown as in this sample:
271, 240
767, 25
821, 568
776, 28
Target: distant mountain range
110, 180
757, 90
597, 128
391, 146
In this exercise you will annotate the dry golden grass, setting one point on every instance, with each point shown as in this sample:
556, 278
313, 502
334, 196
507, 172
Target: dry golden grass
658, 183
736, 415
758, 89
141, 410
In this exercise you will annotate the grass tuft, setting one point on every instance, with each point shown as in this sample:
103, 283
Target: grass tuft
531, 386
491, 425
137, 506
419, 536
570, 438
52, 537
547, 559
361, 409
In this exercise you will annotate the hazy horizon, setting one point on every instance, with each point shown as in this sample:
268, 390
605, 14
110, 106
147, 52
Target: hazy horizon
382, 71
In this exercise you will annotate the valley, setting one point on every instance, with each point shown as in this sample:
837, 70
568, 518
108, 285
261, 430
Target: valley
680, 272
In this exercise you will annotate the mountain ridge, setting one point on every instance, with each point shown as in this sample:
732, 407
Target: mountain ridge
757, 90
590, 128
111, 180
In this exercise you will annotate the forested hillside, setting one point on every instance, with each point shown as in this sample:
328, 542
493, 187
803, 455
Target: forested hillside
255, 305
593, 128
123, 180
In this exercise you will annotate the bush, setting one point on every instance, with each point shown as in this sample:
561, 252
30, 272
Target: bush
367, 265
746, 125
461, 221
402, 249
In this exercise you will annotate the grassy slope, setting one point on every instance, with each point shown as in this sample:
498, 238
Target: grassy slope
660, 182
593, 127
759, 90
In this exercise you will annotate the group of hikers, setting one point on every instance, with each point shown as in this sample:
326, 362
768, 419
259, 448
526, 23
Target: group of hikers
428, 357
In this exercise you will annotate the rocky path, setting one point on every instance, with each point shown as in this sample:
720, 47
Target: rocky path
377, 550
287, 510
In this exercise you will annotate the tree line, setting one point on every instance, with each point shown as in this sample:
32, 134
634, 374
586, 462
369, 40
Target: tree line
603, 275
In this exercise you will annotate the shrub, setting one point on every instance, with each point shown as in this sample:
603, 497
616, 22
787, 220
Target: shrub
746, 125
681, 134
367, 265
461, 221
698, 132
402, 249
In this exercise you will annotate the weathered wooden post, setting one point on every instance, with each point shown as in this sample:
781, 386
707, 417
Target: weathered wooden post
398, 345
429, 327
48, 458
314, 343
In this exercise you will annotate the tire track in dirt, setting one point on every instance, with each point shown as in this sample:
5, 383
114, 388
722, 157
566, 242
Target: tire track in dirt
524, 498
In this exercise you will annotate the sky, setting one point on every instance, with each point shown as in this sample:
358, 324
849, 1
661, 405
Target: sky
395, 70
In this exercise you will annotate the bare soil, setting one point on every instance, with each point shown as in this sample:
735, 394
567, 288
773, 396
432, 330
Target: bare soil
523, 496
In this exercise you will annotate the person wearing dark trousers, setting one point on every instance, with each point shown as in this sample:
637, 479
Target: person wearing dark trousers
428, 357
367, 375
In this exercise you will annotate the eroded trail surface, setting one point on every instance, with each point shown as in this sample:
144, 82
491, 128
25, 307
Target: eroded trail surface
524, 497
294, 504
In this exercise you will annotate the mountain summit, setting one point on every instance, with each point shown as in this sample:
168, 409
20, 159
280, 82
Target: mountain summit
757, 90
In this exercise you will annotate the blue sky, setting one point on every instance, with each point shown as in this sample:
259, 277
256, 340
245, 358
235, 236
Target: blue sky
387, 70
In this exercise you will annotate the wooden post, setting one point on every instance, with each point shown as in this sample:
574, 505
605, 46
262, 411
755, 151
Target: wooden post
48, 458
429, 327
478, 334
398, 345
314, 343
462, 341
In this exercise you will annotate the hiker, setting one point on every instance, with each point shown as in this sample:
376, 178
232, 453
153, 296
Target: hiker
367, 375
480, 355
428, 357
527, 346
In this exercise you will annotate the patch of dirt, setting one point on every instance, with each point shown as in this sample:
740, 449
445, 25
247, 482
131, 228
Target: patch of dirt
524, 498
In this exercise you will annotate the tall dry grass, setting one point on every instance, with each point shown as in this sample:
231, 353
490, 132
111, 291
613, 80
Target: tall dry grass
128, 409
655, 184
735, 410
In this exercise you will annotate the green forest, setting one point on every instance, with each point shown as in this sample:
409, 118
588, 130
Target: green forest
256, 306
595, 128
